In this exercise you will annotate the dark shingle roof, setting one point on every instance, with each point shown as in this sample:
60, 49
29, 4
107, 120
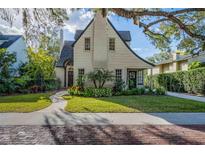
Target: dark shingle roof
66, 53
124, 34
9, 40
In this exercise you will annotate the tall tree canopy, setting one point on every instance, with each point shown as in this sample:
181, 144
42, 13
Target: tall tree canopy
185, 27
159, 57
36, 22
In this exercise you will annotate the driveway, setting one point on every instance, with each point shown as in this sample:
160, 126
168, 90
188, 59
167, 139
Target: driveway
55, 115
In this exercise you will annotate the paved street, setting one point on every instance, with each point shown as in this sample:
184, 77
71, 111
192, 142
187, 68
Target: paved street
121, 134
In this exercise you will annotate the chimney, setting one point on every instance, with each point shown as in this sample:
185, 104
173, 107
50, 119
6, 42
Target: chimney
100, 41
175, 55
61, 39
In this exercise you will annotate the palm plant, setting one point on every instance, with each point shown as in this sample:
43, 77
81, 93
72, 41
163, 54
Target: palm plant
99, 77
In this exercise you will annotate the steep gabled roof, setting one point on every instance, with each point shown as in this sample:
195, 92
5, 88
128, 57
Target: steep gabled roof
124, 34
66, 54
8, 40
76, 40
128, 45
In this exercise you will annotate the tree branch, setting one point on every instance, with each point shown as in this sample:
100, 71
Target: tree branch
146, 29
168, 16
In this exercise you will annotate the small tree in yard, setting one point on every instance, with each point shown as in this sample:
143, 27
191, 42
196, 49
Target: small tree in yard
6, 80
99, 77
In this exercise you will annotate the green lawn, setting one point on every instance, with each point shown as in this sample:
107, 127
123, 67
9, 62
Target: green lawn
24, 103
133, 104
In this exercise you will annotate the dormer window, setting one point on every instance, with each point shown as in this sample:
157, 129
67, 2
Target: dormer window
87, 43
112, 44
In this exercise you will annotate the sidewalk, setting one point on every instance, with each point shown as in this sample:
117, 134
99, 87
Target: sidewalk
55, 115
186, 96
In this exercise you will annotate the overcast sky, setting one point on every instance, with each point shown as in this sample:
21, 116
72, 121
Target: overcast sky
79, 20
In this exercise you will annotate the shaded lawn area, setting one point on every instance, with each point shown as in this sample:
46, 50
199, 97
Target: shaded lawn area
24, 103
133, 104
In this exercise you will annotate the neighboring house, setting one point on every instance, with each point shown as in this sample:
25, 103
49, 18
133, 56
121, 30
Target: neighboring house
14, 44
100, 45
177, 63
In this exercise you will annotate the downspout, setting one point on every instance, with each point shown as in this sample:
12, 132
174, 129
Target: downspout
65, 77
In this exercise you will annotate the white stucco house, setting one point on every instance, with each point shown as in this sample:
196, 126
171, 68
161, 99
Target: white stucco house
14, 44
100, 45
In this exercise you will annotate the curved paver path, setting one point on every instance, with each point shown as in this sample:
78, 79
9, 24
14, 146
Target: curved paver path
55, 115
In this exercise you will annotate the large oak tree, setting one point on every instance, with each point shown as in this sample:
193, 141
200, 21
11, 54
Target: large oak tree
183, 27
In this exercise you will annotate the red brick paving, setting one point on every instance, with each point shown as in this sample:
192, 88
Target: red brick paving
131, 134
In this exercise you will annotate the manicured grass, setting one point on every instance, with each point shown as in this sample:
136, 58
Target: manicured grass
133, 104
24, 103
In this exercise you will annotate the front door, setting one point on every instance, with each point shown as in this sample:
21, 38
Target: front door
132, 79
70, 78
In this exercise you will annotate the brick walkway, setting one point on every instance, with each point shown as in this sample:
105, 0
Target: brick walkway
132, 134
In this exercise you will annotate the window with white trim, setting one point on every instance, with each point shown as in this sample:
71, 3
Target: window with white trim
112, 44
87, 43
118, 74
81, 72
140, 77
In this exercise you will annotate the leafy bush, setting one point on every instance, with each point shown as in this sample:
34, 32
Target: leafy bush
97, 92
158, 91
52, 84
144, 91
90, 92
7, 86
128, 92
81, 82
195, 64
192, 81
119, 86
74, 90
7, 82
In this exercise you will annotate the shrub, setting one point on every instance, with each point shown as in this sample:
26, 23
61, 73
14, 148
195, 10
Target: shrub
7, 86
158, 91
97, 92
195, 64
7, 59
52, 84
81, 82
128, 92
119, 86
143, 91
74, 90
192, 81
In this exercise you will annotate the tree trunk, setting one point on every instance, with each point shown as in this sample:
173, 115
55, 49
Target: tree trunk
103, 84
95, 83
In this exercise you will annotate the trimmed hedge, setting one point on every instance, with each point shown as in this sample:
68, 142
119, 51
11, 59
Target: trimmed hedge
90, 92
192, 81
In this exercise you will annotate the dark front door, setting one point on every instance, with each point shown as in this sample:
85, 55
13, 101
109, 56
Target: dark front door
70, 78
132, 79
